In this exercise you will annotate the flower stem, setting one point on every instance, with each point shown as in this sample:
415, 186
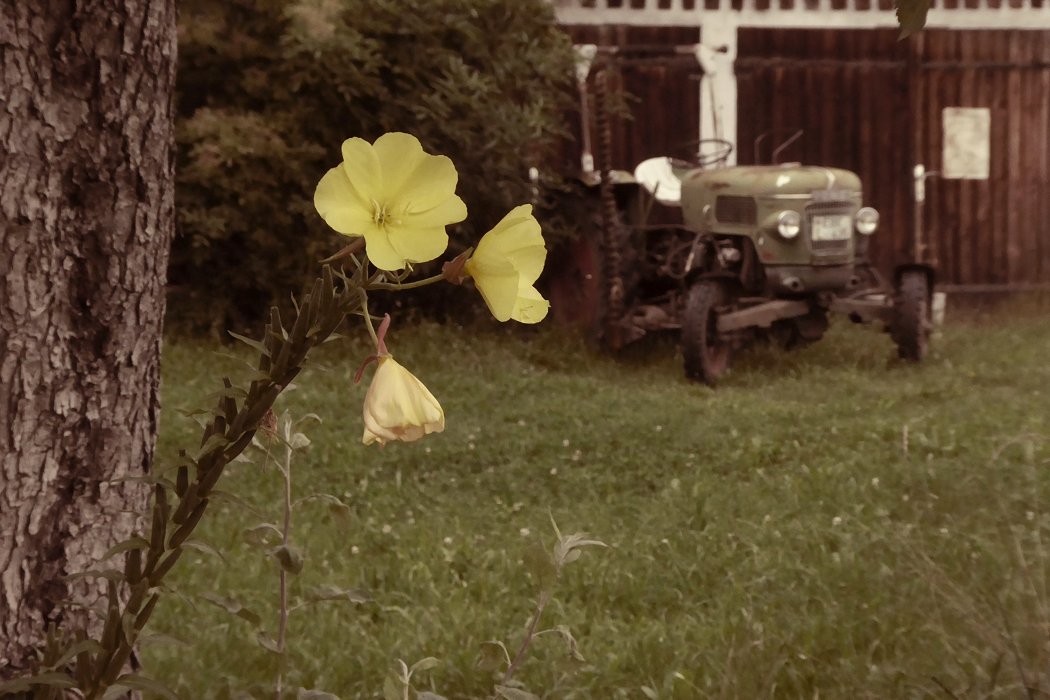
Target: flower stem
368, 318
530, 634
286, 529
401, 286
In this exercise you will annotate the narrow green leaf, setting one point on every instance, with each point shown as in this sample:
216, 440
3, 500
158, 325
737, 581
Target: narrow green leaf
514, 693
221, 496
108, 574
204, 548
149, 638
135, 681
232, 606
263, 535
254, 344
424, 665
304, 694
337, 508
212, 444
329, 592
133, 542
267, 642
52, 679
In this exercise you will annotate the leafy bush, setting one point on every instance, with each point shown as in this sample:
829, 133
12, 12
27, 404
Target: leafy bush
268, 89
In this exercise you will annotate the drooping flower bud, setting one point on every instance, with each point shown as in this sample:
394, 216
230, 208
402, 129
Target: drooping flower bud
398, 406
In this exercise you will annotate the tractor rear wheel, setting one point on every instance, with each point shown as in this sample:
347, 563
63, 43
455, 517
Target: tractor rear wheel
707, 355
911, 323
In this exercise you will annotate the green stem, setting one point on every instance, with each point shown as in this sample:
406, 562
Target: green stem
368, 319
530, 634
286, 529
401, 286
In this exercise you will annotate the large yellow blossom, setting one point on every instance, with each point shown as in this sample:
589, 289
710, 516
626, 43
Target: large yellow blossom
395, 195
398, 406
506, 265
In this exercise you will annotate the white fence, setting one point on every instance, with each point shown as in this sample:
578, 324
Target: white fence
805, 14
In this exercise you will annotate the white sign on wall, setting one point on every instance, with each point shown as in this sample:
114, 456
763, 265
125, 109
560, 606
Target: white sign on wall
967, 142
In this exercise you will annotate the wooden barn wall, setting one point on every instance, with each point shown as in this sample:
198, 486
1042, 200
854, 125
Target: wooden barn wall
990, 231
873, 104
662, 90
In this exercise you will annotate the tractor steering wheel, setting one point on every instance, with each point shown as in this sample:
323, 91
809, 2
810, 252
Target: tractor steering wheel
716, 153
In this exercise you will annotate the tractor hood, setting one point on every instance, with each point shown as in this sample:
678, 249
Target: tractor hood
771, 180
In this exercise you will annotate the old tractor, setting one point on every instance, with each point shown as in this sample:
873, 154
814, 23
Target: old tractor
728, 255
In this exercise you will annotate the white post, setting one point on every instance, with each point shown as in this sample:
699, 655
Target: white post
717, 54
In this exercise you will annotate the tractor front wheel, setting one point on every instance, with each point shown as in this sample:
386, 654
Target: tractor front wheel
707, 355
911, 323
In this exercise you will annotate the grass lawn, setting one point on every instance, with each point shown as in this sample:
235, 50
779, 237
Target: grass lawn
828, 523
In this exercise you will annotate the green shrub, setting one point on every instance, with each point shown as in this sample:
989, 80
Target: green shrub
267, 90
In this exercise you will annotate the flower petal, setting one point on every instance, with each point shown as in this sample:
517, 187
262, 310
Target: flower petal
428, 185
516, 238
451, 211
340, 206
418, 244
500, 292
363, 169
381, 252
530, 307
413, 179
399, 154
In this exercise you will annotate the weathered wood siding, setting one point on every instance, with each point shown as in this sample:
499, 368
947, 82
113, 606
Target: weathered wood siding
990, 231
662, 89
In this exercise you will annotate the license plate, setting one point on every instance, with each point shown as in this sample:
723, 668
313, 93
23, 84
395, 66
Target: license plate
831, 228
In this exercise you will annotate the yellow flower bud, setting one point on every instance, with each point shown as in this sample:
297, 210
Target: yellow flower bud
506, 265
398, 406
395, 195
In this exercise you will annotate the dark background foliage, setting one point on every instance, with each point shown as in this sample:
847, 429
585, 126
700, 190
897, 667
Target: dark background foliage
269, 89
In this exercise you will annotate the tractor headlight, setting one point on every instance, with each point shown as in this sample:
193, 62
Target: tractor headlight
867, 221
789, 223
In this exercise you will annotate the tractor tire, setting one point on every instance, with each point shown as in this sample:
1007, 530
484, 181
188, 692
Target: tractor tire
707, 356
911, 323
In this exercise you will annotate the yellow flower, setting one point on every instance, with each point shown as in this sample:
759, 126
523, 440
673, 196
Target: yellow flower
395, 195
398, 406
506, 265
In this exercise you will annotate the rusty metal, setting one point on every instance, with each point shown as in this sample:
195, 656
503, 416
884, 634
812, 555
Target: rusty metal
611, 224
866, 309
762, 315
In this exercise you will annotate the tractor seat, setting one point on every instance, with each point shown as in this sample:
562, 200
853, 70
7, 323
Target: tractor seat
657, 176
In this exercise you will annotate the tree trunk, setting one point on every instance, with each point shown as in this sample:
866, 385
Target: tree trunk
86, 218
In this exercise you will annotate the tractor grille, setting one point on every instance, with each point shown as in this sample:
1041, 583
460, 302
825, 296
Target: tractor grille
734, 209
830, 251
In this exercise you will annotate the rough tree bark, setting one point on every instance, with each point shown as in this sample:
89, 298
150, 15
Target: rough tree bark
86, 218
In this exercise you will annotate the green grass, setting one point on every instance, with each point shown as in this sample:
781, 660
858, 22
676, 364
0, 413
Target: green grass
828, 523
